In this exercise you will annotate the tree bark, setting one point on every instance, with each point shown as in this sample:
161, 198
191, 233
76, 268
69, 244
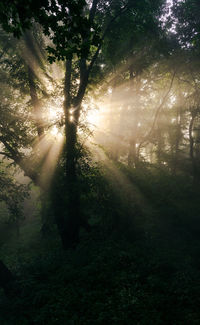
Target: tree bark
68, 218
191, 139
160, 146
133, 153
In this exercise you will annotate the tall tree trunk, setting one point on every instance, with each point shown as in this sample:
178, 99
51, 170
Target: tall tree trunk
73, 213
191, 139
134, 93
160, 146
68, 217
132, 155
35, 103
178, 135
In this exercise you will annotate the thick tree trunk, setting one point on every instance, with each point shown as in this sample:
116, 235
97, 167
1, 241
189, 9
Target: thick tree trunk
73, 214
68, 217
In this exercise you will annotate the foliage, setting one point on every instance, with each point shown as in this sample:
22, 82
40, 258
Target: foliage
149, 279
134, 194
186, 12
12, 193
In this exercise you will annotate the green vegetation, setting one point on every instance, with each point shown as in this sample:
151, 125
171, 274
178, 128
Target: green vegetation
147, 272
99, 162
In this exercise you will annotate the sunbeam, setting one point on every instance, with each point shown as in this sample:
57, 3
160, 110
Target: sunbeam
50, 162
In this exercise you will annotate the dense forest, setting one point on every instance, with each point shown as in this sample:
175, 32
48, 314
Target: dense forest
99, 162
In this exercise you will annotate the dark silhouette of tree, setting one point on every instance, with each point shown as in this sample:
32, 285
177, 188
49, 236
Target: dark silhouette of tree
77, 30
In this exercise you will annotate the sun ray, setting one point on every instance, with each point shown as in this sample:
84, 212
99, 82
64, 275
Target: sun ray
50, 161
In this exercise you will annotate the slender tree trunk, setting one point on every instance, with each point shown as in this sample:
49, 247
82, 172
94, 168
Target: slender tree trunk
134, 93
160, 147
35, 103
191, 139
178, 135
132, 155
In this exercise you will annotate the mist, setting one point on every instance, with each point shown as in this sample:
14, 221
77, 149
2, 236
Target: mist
99, 162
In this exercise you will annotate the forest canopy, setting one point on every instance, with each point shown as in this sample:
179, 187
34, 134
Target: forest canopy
99, 131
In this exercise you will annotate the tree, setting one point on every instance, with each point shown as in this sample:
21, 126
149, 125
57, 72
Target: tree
12, 194
187, 23
77, 30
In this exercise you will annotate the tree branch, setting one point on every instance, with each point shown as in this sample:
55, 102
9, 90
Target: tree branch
162, 103
84, 73
67, 89
158, 111
5, 154
122, 10
93, 11
23, 163
83, 84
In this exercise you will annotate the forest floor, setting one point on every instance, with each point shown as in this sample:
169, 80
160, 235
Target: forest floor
145, 276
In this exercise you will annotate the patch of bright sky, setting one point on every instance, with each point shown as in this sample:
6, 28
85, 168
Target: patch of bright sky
168, 14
